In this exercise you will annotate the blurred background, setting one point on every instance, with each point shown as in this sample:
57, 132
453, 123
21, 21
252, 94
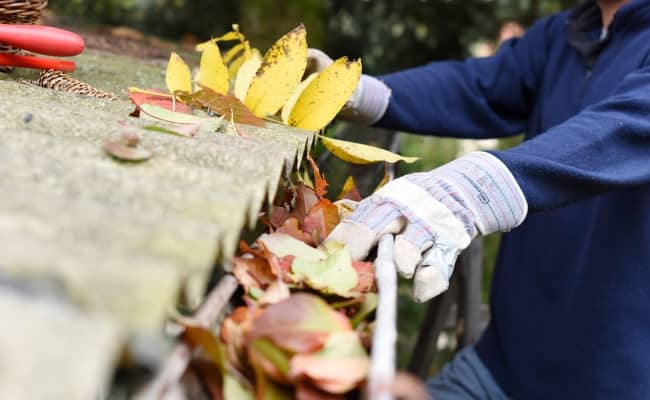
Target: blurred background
387, 35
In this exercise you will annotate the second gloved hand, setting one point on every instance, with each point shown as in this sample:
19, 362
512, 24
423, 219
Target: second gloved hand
435, 215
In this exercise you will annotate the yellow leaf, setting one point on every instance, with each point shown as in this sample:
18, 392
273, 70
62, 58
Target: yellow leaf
290, 104
326, 95
233, 67
232, 52
357, 153
178, 76
133, 89
348, 186
226, 37
245, 75
282, 69
214, 73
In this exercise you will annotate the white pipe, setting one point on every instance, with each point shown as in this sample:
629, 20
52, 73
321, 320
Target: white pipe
382, 368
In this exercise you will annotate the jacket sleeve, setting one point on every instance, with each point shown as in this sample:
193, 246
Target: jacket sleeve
478, 98
604, 147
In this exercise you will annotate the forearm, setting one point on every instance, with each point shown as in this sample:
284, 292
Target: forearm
605, 147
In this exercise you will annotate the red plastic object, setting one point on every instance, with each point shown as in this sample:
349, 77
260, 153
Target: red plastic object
12, 60
42, 39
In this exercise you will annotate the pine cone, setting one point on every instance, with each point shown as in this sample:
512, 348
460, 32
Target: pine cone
57, 80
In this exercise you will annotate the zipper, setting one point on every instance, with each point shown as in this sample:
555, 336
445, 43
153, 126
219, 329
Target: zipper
585, 83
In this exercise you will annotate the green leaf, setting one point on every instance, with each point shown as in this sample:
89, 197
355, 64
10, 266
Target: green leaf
283, 245
333, 275
173, 117
234, 390
182, 130
278, 358
186, 123
367, 307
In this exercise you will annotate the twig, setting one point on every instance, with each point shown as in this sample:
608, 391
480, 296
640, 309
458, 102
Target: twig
382, 368
171, 372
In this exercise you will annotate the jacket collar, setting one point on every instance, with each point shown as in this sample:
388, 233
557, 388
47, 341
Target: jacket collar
584, 25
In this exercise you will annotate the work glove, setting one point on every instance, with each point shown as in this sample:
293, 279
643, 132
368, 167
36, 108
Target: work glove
368, 102
435, 215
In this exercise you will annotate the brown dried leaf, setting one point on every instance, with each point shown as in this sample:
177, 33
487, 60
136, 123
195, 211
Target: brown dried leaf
234, 331
305, 199
321, 221
199, 336
124, 150
321, 184
227, 106
253, 273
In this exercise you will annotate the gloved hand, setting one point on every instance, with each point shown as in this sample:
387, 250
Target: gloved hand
369, 101
435, 215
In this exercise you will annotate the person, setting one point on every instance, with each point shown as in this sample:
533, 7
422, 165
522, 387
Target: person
571, 289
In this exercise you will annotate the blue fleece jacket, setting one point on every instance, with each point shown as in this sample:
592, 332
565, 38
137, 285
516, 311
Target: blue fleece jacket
571, 291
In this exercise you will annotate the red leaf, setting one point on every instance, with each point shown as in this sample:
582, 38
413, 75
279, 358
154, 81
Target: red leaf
366, 274
280, 266
300, 324
305, 199
321, 221
227, 106
319, 181
305, 391
234, 330
164, 101
291, 228
279, 216
334, 375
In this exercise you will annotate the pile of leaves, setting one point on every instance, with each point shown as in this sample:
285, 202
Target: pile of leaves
245, 88
304, 327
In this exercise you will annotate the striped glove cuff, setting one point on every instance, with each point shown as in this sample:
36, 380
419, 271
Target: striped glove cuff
368, 103
479, 190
